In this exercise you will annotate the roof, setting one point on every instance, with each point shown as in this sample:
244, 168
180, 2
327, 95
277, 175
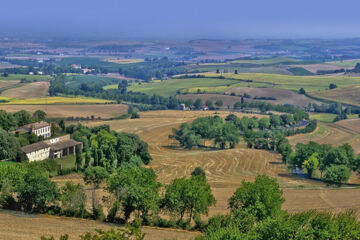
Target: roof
64, 144
28, 127
35, 147
38, 125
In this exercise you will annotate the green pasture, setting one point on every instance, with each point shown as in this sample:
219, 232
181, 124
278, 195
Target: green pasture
27, 77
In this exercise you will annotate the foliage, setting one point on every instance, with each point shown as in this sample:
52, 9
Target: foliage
262, 199
189, 195
95, 175
337, 174
36, 192
137, 190
9, 147
73, 197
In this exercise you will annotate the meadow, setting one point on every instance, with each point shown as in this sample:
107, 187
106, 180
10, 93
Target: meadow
25, 76
349, 95
213, 84
309, 83
172, 86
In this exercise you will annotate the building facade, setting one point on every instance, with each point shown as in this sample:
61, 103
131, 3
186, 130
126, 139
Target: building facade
52, 148
41, 128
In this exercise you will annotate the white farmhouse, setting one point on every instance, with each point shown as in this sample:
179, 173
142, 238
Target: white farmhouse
37, 151
41, 128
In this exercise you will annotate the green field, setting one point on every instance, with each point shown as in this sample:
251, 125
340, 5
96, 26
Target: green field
324, 117
309, 83
27, 77
112, 86
75, 80
171, 86
345, 63
268, 61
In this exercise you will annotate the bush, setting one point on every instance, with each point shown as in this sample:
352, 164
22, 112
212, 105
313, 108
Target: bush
337, 174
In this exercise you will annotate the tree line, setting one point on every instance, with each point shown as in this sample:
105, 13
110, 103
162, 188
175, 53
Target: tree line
334, 164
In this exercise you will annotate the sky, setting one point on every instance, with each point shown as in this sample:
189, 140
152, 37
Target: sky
180, 19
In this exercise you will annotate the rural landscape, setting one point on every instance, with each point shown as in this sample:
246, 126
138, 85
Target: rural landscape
177, 136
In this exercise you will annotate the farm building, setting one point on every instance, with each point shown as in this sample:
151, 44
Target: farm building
41, 128
182, 107
51, 148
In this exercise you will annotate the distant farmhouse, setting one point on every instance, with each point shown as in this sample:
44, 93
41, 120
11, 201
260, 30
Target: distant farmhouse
42, 129
49, 148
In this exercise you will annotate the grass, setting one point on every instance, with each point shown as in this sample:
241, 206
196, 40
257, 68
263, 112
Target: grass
268, 61
27, 77
67, 162
299, 71
309, 83
345, 63
112, 86
324, 117
75, 80
55, 100
171, 86
124, 61
349, 95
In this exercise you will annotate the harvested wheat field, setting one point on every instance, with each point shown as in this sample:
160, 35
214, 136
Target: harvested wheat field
5, 84
282, 96
31, 90
225, 169
349, 95
345, 131
65, 111
35, 226
318, 67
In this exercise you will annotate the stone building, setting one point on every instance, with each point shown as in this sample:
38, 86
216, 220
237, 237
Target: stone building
41, 128
51, 148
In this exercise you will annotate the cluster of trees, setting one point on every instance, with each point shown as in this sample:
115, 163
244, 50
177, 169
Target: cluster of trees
264, 107
214, 128
108, 149
335, 108
11, 121
156, 68
134, 191
334, 163
255, 213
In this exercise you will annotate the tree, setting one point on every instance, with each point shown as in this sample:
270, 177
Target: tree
302, 91
36, 192
332, 86
264, 123
275, 121
62, 125
311, 164
39, 115
198, 171
73, 198
262, 199
95, 175
219, 103
337, 174
22, 117
236, 71
9, 146
189, 195
137, 190
78, 157
198, 103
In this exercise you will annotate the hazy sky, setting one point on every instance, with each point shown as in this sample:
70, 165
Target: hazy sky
181, 19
